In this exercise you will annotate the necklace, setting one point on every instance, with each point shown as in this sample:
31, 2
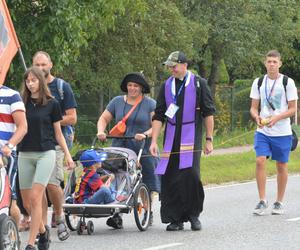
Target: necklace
33, 102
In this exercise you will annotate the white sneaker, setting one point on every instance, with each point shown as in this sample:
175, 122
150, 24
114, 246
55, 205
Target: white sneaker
261, 208
277, 208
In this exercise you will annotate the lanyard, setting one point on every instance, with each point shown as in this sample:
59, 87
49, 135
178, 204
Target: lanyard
271, 90
174, 97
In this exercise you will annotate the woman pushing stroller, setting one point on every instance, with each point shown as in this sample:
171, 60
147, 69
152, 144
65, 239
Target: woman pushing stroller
138, 125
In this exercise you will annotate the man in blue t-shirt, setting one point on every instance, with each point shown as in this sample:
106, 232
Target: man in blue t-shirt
62, 91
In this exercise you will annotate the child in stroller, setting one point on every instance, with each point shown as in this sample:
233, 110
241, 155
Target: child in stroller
97, 189
92, 189
131, 195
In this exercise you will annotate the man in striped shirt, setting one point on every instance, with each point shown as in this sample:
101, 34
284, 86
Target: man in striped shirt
13, 127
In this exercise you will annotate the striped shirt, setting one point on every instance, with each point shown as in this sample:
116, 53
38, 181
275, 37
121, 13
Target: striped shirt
10, 102
89, 184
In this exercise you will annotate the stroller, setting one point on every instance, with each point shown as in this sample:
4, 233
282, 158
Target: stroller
9, 234
124, 164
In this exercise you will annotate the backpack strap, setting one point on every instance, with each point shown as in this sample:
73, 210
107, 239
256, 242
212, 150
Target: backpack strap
60, 87
284, 82
259, 83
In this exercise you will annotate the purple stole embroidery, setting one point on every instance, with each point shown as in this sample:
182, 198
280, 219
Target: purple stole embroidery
187, 130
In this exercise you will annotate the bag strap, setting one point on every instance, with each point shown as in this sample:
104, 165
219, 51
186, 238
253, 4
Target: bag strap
284, 82
60, 84
132, 109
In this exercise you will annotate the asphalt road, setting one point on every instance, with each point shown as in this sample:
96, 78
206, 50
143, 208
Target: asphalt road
227, 219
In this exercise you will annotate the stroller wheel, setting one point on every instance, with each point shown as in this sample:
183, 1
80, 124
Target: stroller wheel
9, 235
80, 227
90, 227
71, 221
142, 207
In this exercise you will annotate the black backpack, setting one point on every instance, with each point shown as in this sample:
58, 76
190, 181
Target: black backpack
284, 82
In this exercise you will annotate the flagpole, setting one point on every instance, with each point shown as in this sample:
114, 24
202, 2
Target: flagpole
22, 58
10, 23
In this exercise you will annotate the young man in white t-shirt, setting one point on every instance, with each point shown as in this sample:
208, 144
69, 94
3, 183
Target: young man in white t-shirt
273, 136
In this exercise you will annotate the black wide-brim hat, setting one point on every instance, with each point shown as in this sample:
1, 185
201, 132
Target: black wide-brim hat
138, 78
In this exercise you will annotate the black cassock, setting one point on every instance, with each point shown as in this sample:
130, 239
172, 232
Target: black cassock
182, 193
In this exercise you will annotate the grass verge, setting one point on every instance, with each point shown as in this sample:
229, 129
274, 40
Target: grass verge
239, 167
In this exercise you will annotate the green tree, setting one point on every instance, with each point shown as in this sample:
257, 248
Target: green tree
63, 28
240, 31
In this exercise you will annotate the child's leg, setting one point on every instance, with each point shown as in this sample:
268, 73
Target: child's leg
102, 196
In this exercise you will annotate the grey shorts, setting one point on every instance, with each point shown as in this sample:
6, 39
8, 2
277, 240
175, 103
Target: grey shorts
35, 167
58, 172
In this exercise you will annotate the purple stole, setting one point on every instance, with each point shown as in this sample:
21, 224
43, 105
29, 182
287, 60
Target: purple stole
187, 130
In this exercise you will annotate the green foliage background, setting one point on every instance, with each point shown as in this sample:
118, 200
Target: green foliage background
93, 44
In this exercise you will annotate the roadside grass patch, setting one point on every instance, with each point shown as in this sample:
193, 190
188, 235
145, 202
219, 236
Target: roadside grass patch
239, 167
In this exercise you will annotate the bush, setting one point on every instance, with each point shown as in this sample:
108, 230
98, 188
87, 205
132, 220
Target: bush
223, 117
85, 130
223, 77
242, 104
240, 84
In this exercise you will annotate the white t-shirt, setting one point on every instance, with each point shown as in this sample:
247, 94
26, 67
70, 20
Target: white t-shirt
278, 97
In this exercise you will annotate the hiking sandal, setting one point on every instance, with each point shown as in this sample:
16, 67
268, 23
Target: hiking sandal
62, 231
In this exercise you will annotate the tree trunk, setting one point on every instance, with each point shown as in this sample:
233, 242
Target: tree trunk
214, 70
202, 69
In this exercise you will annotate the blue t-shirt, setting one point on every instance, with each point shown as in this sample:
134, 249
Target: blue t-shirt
69, 101
138, 122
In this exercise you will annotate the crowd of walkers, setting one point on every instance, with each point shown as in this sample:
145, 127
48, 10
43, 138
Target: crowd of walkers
38, 125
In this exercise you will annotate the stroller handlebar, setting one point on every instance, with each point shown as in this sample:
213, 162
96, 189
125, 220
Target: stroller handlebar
118, 137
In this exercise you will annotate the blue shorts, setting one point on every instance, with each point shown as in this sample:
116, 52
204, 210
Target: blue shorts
278, 147
12, 168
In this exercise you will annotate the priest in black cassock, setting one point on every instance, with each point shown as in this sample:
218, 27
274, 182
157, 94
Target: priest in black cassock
184, 103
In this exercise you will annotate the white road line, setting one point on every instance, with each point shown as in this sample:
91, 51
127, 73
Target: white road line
294, 219
163, 246
270, 179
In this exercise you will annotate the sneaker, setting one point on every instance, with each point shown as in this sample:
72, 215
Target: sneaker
44, 240
30, 247
115, 222
277, 208
261, 208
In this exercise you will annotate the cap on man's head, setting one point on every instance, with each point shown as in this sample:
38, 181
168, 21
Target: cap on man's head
175, 58
91, 157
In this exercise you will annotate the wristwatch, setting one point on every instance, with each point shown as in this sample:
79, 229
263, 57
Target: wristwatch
10, 146
209, 139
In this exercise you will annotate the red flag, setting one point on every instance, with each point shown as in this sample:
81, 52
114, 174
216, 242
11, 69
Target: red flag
9, 43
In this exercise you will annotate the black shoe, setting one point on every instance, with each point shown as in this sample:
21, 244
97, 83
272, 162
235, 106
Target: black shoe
44, 240
175, 226
150, 218
115, 222
30, 247
195, 223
